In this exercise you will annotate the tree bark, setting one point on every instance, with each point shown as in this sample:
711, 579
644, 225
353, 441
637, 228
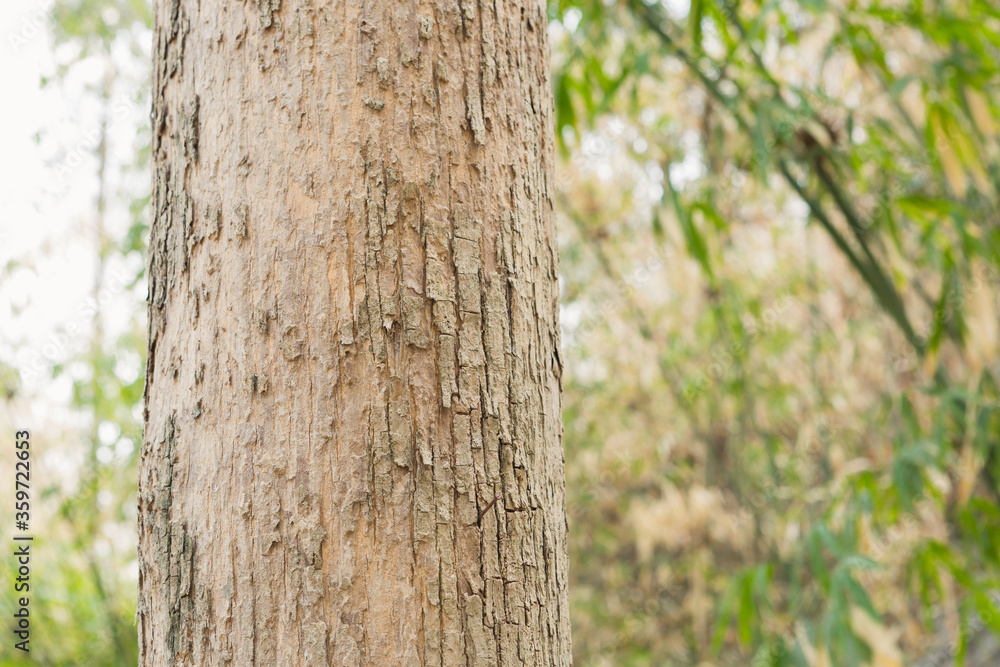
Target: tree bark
352, 452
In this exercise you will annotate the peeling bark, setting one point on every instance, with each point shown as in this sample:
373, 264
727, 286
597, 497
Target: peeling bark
353, 448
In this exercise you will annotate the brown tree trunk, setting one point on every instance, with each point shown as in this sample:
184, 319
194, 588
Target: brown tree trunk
352, 451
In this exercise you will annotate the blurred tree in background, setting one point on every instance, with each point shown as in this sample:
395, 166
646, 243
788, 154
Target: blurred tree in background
781, 266
85, 457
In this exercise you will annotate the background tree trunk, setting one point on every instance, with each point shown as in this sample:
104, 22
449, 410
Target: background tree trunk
352, 451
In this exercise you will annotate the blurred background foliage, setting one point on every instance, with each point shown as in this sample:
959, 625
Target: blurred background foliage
780, 248
779, 251
85, 455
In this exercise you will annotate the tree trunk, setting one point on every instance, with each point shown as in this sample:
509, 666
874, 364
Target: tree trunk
352, 452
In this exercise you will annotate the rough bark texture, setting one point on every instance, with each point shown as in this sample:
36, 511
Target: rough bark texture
352, 451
